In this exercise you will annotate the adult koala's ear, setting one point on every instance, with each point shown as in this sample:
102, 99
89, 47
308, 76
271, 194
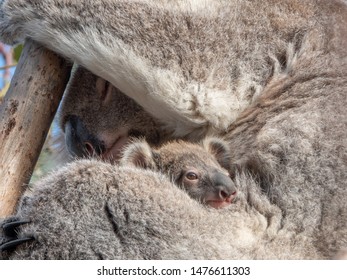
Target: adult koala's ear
139, 154
219, 149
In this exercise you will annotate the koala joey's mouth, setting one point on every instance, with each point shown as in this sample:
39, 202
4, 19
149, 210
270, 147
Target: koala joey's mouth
221, 203
218, 203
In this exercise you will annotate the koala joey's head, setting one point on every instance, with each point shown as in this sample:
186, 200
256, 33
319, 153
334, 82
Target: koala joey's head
98, 119
200, 169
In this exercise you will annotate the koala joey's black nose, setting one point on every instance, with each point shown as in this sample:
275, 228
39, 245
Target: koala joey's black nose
224, 185
79, 141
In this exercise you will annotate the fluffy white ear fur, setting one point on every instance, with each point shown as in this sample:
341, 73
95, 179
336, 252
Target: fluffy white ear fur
138, 154
220, 149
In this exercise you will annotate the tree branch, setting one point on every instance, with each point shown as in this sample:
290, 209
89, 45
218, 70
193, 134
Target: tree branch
25, 117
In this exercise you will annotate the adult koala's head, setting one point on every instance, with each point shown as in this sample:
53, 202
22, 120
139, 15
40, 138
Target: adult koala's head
98, 119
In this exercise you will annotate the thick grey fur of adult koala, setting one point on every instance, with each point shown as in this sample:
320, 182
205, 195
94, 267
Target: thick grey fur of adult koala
94, 213
267, 76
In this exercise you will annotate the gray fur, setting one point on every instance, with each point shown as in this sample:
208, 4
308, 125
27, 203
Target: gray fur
267, 76
88, 210
194, 79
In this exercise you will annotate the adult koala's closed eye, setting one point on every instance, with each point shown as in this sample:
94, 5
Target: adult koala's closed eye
200, 169
97, 119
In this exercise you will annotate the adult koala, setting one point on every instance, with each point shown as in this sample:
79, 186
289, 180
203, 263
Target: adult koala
268, 76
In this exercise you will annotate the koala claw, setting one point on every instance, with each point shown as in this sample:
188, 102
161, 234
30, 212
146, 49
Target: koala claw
10, 233
12, 244
10, 227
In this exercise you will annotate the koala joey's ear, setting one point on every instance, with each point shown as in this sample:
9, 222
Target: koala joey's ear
220, 149
139, 154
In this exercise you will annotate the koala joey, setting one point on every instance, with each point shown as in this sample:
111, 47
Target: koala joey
200, 169
97, 119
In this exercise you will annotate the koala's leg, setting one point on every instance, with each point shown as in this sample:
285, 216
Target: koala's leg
129, 44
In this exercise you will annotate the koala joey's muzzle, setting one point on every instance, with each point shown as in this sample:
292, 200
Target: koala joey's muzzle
224, 191
79, 141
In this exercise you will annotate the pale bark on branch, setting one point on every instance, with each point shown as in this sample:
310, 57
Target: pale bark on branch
25, 117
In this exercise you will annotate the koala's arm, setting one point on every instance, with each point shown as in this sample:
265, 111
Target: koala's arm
139, 47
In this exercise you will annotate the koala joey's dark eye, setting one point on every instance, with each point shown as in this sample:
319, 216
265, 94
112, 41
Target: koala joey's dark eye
190, 175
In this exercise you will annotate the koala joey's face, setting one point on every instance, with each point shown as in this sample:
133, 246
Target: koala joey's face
203, 178
98, 119
200, 169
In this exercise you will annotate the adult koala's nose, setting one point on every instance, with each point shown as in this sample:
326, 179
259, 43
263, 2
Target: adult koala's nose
79, 141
